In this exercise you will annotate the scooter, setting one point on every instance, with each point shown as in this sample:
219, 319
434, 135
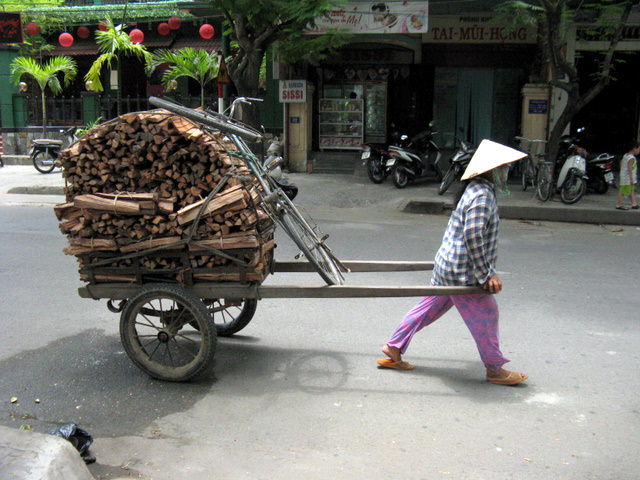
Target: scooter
572, 178
44, 151
457, 165
374, 157
600, 172
273, 166
414, 158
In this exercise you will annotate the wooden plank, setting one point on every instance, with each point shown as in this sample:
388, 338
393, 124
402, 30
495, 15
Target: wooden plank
359, 266
231, 290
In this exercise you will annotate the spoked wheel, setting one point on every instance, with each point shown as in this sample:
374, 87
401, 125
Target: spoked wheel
156, 329
528, 174
230, 315
544, 184
43, 162
573, 190
400, 177
308, 238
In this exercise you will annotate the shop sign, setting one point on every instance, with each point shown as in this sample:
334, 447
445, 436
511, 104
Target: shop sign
475, 29
10, 28
293, 91
375, 17
598, 38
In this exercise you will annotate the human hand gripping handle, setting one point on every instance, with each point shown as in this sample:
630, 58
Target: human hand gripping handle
493, 285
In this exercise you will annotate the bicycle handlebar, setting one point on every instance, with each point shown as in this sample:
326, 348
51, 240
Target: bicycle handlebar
219, 122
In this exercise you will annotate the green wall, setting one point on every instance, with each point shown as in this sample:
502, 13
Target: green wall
7, 89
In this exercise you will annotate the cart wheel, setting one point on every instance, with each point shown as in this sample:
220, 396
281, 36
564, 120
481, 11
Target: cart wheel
231, 315
157, 334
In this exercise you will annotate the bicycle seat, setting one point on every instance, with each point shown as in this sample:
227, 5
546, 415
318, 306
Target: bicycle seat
47, 142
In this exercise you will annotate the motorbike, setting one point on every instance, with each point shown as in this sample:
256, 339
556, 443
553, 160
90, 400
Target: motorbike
600, 172
374, 157
43, 152
413, 158
273, 166
457, 165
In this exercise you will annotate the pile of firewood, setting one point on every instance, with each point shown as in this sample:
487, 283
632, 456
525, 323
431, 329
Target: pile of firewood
151, 196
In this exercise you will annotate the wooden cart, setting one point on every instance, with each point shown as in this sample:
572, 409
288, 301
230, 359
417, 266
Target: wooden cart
169, 330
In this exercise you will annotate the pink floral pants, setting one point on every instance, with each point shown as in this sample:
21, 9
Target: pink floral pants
479, 312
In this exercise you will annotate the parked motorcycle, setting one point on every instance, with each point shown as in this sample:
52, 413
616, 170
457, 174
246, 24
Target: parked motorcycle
273, 166
600, 172
44, 151
457, 165
413, 158
374, 157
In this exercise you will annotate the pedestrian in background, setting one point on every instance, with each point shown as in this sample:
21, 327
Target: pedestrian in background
467, 257
628, 177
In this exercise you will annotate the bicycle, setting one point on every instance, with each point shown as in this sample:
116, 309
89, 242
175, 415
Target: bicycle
530, 164
305, 234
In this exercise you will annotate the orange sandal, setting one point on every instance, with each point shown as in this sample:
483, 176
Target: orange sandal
388, 363
513, 378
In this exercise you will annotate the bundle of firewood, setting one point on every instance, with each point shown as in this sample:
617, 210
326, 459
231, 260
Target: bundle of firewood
151, 196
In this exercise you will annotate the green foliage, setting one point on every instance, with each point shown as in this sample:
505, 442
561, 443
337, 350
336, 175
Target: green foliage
187, 62
57, 15
88, 127
112, 43
45, 75
255, 26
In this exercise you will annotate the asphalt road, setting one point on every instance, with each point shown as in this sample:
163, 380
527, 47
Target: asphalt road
297, 393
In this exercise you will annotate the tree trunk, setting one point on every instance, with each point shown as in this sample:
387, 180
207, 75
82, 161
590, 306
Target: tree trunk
245, 73
44, 113
119, 90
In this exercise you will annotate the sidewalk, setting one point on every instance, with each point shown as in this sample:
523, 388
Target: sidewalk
23, 184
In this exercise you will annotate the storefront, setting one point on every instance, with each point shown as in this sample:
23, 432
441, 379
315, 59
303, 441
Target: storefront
464, 72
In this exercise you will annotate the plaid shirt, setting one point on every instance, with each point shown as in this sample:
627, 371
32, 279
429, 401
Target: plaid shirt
469, 248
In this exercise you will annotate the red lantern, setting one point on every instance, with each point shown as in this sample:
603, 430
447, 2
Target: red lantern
33, 29
102, 25
65, 39
207, 31
174, 23
164, 29
136, 35
83, 32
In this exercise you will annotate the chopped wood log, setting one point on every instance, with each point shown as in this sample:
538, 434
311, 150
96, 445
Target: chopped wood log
156, 242
232, 199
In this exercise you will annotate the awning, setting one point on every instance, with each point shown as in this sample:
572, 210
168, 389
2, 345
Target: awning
198, 43
89, 46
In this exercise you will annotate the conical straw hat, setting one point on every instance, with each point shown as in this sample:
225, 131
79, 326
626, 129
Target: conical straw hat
490, 155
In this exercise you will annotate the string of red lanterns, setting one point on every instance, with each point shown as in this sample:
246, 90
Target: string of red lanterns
65, 39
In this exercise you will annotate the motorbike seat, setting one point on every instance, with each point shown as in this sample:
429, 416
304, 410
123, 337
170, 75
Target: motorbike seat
601, 158
47, 142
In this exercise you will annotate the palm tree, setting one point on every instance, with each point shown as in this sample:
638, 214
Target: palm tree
187, 62
45, 75
113, 44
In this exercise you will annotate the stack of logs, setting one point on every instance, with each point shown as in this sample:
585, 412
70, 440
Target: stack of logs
135, 186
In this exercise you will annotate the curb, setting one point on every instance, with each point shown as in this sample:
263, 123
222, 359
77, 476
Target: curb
16, 159
550, 214
42, 190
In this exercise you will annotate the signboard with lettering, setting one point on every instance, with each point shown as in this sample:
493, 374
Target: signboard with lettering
10, 28
538, 106
475, 29
293, 91
375, 17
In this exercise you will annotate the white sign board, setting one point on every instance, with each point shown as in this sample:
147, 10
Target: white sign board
375, 17
293, 91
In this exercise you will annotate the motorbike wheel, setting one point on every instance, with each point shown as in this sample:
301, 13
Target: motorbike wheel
400, 177
599, 185
375, 170
43, 162
448, 179
573, 190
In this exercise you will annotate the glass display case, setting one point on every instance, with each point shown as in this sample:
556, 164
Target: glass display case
375, 95
341, 123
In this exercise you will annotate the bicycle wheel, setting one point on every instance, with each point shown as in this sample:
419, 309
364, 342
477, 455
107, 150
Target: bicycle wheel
304, 236
545, 182
220, 122
528, 177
